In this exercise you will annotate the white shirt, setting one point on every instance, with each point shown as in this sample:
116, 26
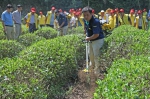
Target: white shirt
107, 18
73, 21
140, 21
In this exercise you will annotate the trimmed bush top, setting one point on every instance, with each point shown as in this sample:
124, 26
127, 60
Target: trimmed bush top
28, 39
9, 48
46, 32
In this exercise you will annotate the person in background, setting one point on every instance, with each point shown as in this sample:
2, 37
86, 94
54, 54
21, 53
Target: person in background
102, 15
73, 21
141, 21
144, 12
125, 18
148, 16
50, 17
117, 16
112, 19
93, 12
63, 24
41, 19
80, 19
60, 10
94, 34
7, 22
17, 21
132, 16
32, 20
136, 13
107, 14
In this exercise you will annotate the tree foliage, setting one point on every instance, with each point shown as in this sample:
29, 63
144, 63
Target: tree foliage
45, 5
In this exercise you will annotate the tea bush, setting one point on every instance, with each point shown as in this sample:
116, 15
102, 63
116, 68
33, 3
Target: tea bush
77, 30
57, 59
128, 49
46, 32
20, 80
127, 41
126, 79
24, 30
9, 48
124, 42
2, 36
28, 39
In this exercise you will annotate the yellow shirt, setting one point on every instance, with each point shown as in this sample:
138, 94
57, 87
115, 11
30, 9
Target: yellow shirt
112, 21
125, 20
132, 18
41, 20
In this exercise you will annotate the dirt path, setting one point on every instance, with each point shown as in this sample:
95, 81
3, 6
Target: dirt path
82, 89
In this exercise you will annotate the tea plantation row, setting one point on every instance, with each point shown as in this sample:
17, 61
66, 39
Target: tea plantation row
127, 59
37, 66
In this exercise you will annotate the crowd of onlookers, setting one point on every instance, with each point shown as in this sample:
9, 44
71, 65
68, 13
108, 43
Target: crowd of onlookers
62, 20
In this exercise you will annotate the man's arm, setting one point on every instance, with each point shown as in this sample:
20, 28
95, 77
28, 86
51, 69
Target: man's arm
94, 36
13, 15
46, 17
96, 30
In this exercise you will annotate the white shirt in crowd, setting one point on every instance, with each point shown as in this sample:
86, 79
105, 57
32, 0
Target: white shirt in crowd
140, 21
73, 21
107, 17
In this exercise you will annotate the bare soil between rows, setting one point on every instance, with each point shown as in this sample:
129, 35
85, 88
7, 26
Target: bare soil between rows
84, 89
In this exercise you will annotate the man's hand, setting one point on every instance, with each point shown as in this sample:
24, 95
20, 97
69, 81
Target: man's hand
88, 38
59, 28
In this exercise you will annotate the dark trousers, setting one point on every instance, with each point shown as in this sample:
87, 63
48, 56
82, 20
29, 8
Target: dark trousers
32, 28
140, 27
42, 26
52, 26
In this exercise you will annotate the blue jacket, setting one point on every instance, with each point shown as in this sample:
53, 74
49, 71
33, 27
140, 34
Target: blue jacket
94, 27
62, 18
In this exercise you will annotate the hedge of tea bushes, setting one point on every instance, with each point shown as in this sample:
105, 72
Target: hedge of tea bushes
126, 79
42, 69
124, 42
19, 79
127, 59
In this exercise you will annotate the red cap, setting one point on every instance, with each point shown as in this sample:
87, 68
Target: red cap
132, 11
140, 11
116, 10
112, 11
74, 12
80, 9
121, 10
60, 10
70, 10
93, 11
33, 10
144, 10
53, 8
77, 14
41, 12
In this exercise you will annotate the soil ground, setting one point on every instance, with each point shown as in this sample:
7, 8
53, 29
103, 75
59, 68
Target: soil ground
84, 88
